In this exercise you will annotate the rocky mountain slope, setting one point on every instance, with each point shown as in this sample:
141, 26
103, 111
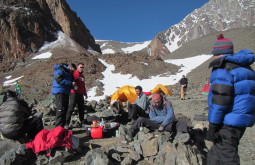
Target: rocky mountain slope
215, 15
37, 73
27, 24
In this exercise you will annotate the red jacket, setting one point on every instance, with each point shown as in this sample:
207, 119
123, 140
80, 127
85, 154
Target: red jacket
77, 76
47, 139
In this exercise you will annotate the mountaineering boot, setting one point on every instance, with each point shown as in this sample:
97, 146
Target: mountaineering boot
131, 122
182, 137
131, 133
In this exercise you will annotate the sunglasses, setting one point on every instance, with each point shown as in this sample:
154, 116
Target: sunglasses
81, 67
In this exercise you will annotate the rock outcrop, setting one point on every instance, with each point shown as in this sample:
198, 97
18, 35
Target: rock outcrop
27, 24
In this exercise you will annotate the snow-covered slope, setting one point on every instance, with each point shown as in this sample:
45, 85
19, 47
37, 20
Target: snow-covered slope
112, 81
111, 47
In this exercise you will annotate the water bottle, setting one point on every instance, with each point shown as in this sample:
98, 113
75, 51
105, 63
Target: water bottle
102, 123
117, 133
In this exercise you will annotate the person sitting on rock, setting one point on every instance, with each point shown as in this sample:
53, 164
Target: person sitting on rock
162, 118
140, 108
16, 119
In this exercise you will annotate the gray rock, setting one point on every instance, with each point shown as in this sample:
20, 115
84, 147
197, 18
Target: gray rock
60, 157
95, 157
42, 160
127, 161
150, 147
116, 156
134, 155
8, 144
93, 104
19, 155
137, 147
160, 158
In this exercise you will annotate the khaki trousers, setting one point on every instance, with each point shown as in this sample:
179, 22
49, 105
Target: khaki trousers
183, 92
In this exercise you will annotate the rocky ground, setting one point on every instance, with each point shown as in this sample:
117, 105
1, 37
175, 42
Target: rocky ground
146, 148
38, 75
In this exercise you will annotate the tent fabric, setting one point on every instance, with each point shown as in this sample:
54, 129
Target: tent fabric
162, 88
205, 89
147, 93
125, 93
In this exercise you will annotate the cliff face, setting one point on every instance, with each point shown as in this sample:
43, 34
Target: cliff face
215, 15
27, 24
71, 24
24, 28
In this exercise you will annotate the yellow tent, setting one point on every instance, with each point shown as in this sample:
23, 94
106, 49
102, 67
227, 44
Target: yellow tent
162, 88
125, 93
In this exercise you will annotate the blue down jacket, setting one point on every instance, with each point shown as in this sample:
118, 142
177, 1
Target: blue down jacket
231, 97
164, 115
62, 80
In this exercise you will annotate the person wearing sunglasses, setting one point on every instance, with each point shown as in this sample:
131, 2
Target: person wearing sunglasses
77, 95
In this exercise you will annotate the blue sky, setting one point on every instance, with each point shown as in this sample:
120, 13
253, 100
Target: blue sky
131, 20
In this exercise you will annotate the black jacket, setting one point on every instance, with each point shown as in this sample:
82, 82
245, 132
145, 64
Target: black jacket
12, 115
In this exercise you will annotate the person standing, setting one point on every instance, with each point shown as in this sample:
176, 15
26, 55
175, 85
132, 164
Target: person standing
140, 108
61, 86
77, 95
184, 84
231, 101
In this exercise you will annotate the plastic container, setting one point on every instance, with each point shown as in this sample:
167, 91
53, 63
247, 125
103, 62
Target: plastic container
117, 134
96, 132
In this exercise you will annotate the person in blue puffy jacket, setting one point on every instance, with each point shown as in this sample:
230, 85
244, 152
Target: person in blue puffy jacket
61, 87
231, 101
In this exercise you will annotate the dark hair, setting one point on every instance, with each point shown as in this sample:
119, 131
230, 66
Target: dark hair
80, 64
139, 87
73, 66
64, 64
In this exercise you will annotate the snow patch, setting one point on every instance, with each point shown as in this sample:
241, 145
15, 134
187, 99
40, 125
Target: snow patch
136, 47
108, 51
12, 81
62, 41
8, 77
43, 56
112, 81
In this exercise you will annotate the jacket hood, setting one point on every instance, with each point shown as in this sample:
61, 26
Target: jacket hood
243, 57
56, 66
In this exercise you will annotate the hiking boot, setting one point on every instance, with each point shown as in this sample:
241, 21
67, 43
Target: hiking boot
131, 133
182, 137
131, 122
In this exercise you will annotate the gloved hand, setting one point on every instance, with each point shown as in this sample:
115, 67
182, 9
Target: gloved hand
161, 128
212, 133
